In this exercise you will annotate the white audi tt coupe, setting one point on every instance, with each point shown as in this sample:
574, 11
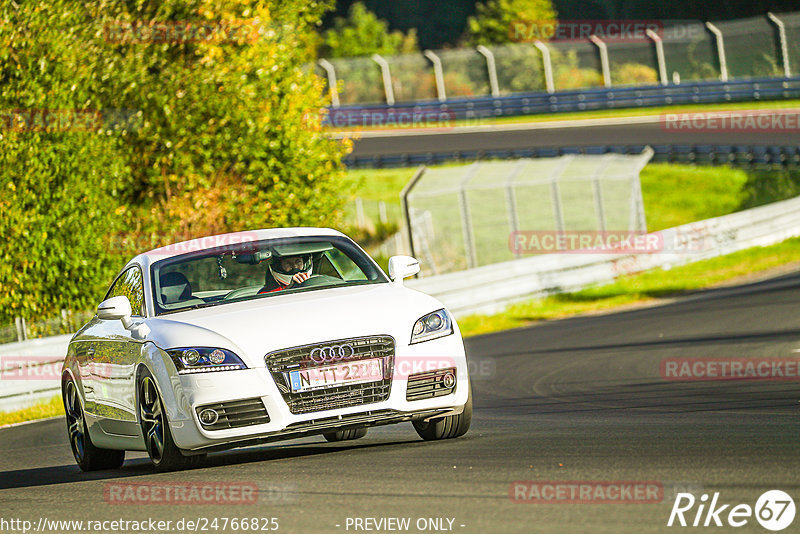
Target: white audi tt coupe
240, 339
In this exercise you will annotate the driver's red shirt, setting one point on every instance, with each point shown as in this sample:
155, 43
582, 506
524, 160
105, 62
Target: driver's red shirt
279, 288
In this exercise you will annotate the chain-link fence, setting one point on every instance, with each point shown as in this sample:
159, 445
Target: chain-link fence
679, 51
67, 322
465, 217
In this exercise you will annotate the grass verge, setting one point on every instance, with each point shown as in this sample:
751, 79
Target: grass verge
646, 288
43, 410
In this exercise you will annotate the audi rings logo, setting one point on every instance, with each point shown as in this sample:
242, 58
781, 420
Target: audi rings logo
332, 353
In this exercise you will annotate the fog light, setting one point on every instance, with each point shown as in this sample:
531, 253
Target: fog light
449, 380
208, 417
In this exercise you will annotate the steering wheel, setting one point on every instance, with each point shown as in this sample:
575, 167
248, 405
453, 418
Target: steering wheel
318, 280
242, 292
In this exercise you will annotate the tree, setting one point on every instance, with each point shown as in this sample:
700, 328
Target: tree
363, 34
222, 137
494, 20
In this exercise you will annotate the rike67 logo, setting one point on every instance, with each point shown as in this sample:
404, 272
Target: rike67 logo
774, 510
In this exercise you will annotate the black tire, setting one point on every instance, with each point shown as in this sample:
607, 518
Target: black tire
448, 427
344, 435
164, 454
88, 457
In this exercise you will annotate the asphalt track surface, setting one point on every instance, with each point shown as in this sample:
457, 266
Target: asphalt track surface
580, 399
559, 135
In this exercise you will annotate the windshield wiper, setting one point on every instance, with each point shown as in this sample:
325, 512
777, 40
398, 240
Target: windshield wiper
192, 307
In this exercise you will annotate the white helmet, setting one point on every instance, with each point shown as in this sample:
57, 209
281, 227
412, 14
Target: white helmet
284, 277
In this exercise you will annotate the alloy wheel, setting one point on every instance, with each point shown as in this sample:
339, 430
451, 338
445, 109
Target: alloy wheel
72, 407
152, 417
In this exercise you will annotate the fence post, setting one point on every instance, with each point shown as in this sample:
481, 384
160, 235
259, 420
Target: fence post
548, 66
491, 68
404, 203
387, 78
555, 196
598, 192
438, 74
604, 66
332, 88
382, 213
784, 47
662, 62
466, 219
511, 200
361, 220
636, 217
22, 328
723, 64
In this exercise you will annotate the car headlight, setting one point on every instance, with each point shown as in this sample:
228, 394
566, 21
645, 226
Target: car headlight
204, 359
434, 325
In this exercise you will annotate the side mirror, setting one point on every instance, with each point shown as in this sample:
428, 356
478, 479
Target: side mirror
114, 308
402, 267
119, 308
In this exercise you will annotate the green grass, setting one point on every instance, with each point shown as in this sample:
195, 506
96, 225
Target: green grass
51, 408
680, 194
648, 287
617, 113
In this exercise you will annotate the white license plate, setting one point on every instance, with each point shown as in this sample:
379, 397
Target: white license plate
337, 375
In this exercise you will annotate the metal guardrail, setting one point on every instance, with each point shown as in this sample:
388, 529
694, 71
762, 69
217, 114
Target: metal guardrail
747, 156
518, 104
39, 380
491, 288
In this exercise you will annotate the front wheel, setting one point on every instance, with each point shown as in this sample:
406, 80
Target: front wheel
451, 426
88, 457
165, 455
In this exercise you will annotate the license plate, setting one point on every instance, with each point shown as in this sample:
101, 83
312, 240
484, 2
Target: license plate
342, 374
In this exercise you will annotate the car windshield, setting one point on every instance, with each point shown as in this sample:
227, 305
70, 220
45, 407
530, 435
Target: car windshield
259, 269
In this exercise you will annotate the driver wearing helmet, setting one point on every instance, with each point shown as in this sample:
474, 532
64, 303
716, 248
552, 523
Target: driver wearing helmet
287, 271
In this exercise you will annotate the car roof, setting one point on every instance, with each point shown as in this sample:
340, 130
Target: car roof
145, 259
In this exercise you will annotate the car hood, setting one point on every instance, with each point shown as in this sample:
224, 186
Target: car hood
256, 327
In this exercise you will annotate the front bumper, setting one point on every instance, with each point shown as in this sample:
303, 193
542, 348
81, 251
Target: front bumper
206, 389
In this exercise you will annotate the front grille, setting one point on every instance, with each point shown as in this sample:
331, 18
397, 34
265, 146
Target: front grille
429, 385
236, 414
281, 362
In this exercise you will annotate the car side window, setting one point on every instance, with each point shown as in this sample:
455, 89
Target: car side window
130, 284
